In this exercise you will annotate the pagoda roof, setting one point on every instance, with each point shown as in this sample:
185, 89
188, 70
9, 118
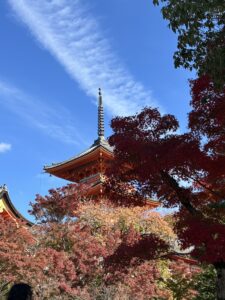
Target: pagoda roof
100, 143
9, 207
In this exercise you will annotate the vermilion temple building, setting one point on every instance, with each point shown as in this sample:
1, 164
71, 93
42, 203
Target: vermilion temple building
88, 166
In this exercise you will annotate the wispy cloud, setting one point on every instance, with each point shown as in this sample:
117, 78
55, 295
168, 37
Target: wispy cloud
4, 147
71, 33
53, 122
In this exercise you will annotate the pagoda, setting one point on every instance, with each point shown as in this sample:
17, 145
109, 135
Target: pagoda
89, 166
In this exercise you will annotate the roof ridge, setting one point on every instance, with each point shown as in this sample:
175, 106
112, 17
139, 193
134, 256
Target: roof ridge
100, 142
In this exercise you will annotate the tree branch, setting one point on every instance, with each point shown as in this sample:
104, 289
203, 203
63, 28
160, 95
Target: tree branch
182, 196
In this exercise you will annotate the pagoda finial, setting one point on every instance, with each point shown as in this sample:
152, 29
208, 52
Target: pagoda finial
100, 115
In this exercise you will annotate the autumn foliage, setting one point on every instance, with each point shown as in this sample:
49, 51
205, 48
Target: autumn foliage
91, 251
185, 171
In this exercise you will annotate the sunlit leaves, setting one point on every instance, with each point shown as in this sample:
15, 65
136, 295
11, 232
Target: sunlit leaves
200, 27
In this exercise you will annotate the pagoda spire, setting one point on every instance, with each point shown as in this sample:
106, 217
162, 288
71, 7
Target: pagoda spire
100, 116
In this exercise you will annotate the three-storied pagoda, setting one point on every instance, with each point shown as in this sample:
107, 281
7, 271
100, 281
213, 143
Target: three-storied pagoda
89, 166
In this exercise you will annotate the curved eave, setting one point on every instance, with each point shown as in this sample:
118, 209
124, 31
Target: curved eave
77, 160
11, 208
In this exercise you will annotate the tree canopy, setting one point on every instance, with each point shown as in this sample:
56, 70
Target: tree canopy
200, 26
153, 160
83, 249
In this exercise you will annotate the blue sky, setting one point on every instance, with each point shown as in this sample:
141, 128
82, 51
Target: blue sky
54, 56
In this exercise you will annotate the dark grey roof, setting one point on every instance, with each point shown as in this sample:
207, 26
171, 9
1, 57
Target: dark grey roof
100, 142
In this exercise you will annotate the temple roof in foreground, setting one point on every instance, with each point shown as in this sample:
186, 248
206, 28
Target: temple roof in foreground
8, 209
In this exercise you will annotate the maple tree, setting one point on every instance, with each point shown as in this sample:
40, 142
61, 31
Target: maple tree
105, 250
201, 46
18, 258
60, 205
88, 250
181, 170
